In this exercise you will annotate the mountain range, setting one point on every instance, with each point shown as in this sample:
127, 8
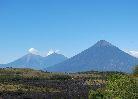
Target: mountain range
36, 61
103, 56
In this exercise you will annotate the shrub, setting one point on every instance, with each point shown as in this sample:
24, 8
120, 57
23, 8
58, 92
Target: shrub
121, 87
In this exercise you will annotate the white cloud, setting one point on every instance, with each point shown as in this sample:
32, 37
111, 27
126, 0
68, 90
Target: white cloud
33, 51
36, 52
57, 51
52, 51
133, 53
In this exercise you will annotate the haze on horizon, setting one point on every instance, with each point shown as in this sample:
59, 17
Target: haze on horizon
66, 26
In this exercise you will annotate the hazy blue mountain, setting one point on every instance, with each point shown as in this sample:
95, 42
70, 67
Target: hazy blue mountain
103, 56
36, 61
29, 61
54, 58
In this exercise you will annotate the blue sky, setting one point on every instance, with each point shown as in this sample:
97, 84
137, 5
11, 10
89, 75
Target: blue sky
66, 25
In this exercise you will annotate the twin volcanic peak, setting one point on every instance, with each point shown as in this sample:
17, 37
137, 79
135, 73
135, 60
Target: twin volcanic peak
36, 61
103, 56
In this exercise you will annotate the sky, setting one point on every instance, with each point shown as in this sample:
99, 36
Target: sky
66, 26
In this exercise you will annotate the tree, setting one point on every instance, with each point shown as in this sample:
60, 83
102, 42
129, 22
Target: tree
135, 72
121, 87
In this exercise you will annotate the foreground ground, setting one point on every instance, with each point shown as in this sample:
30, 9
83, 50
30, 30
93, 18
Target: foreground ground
32, 84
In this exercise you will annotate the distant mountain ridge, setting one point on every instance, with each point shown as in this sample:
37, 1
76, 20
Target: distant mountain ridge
36, 61
103, 56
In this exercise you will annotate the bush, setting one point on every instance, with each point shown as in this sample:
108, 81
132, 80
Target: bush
95, 95
135, 72
60, 77
121, 87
